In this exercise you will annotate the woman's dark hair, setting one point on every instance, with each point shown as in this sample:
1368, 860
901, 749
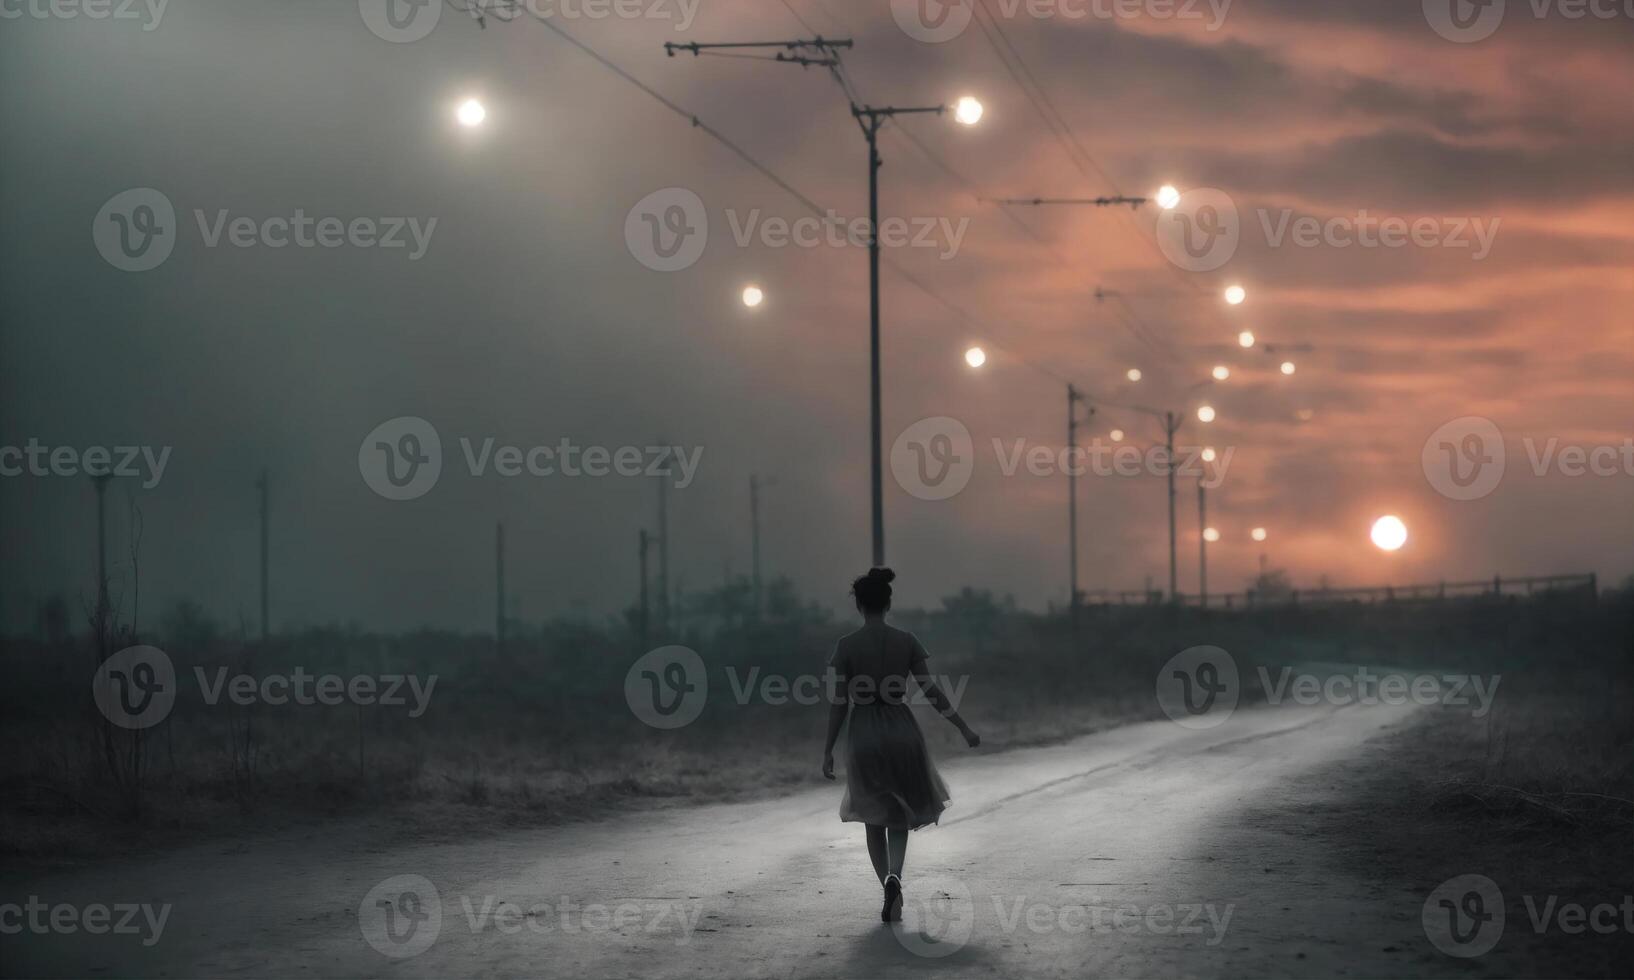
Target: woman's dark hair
873, 591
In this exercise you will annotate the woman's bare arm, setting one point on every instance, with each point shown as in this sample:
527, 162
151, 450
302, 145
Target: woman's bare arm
944, 706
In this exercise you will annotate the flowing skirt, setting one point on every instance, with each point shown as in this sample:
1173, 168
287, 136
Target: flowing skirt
889, 778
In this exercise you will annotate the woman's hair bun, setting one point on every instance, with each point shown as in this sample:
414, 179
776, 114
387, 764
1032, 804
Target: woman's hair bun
873, 590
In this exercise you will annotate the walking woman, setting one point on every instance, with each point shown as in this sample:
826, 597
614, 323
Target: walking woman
890, 784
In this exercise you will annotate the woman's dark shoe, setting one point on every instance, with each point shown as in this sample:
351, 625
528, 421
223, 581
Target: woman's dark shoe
891, 911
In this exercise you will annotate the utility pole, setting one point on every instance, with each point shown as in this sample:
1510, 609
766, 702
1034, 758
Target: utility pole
643, 623
663, 551
871, 119
1074, 601
266, 622
499, 584
1170, 426
1202, 544
754, 537
100, 481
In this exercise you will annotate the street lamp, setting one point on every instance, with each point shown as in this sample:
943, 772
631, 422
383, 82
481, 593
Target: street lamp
470, 113
1221, 372
753, 296
1245, 340
968, 110
1258, 534
1167, 197
1205, 413
1133, 374
1235, 295
975, 357
1288, 367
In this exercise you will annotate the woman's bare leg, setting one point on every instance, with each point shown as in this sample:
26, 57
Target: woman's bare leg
876, 851
897, 840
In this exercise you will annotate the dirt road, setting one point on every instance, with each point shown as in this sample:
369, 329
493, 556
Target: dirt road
1120, 854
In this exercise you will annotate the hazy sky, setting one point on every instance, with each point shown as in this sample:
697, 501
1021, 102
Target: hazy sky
528, 320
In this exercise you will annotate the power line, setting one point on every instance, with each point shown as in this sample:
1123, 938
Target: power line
769, 174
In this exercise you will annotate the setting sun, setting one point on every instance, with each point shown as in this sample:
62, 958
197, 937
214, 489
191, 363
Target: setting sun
1389, 533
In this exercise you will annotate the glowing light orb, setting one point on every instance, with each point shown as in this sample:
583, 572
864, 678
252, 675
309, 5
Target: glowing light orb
1211, 535
471, 113
1133, 374
1221, 372
1258, 534
1205, 413
1116, 435
1209, 455
1167, 197
1235, 295
1389, 533
1288, 367
753, 296
1245, 339
968, 110
975, 357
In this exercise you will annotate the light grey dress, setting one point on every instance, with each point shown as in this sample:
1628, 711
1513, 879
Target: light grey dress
890, 780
